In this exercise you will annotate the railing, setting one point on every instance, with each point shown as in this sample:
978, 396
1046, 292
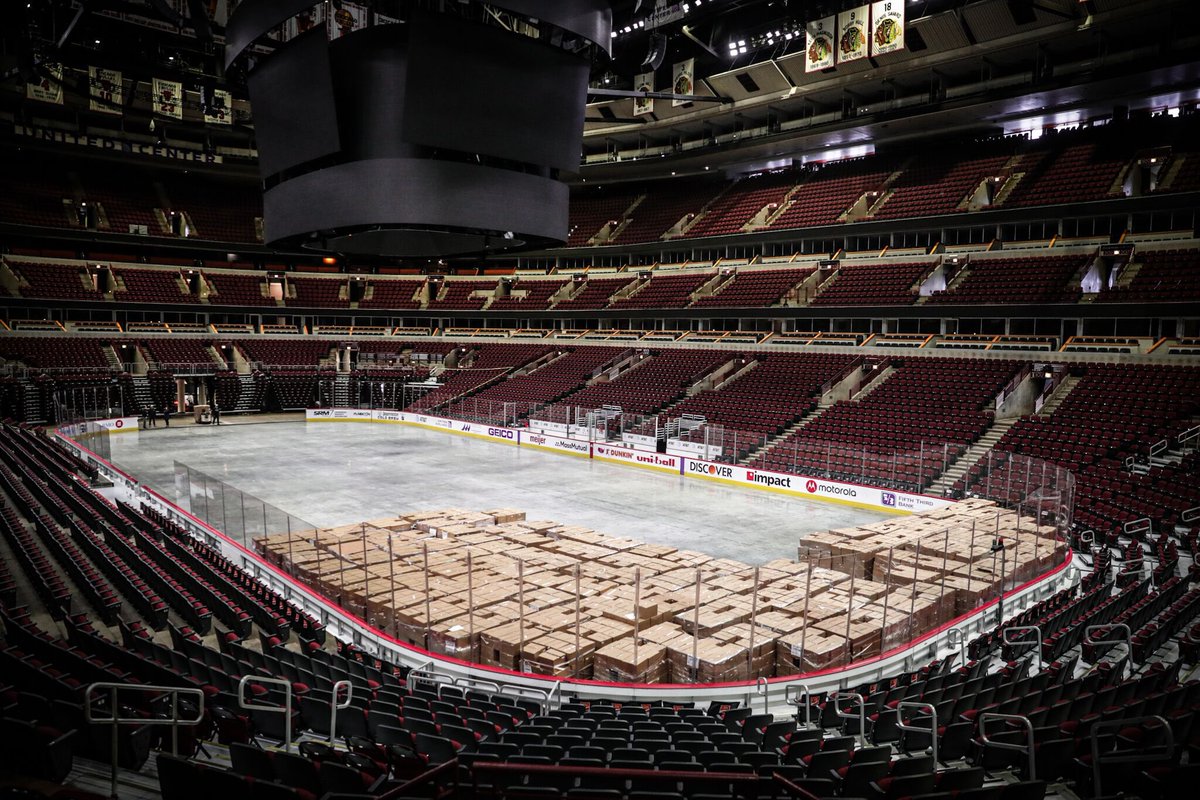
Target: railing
1111, 628
1027, 748
1023, 629
803, 695
1168, 746
746, 784
428, 778
793, 789
116, 721
427, 675
335, 706
1012, 385
861, 716
523, 692
762, 688
1190, 515
287, 703
1139, 525
933, 724
471, 682
957, 637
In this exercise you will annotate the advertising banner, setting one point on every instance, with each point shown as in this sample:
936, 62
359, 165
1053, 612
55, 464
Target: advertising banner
570, 446
637, 458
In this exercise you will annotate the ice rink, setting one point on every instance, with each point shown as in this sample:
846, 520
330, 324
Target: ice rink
336, 473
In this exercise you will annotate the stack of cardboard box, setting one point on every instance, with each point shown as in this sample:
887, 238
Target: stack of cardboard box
498, 589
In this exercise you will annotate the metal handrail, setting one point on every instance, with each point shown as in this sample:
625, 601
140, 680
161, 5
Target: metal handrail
861, 715
287, 703
762, 688
1020, 748
792, 789
1188, 435
933, 728
1110, 628
557, 690
1137, 525
115, 720
519, 691
405, 789
471, 683
1141, 755
961, 636
429, 676
803, 693
1007, 639
1190, 515
335, 706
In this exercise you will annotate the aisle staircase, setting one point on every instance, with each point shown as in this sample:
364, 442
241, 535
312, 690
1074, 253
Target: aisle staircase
972, 456
249, 394
343, 394
142, 396
1059, 394
31, 400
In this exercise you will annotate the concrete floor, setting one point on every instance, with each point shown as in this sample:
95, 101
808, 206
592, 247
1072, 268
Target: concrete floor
332, 474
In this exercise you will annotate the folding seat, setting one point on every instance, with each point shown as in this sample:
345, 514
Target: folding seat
252, 761
298, 772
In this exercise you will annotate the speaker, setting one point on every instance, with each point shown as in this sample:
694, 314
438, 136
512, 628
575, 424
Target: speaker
1022, 11
441, 136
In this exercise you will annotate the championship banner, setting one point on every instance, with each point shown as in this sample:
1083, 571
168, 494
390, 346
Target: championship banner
219, 10
49, 88
683, 80
384, 19
643, 83
852, 34
168, 98
105, 90
819, 44
887, 27
220, 111
347, 19
304, 22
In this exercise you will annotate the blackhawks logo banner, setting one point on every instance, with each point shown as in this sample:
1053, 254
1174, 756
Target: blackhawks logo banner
819, 52
853, 29
168, 98
106, 91
683, 80
643, 83
887, 27
46, 86
347, 19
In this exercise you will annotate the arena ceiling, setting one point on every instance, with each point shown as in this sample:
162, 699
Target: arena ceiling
972, 66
